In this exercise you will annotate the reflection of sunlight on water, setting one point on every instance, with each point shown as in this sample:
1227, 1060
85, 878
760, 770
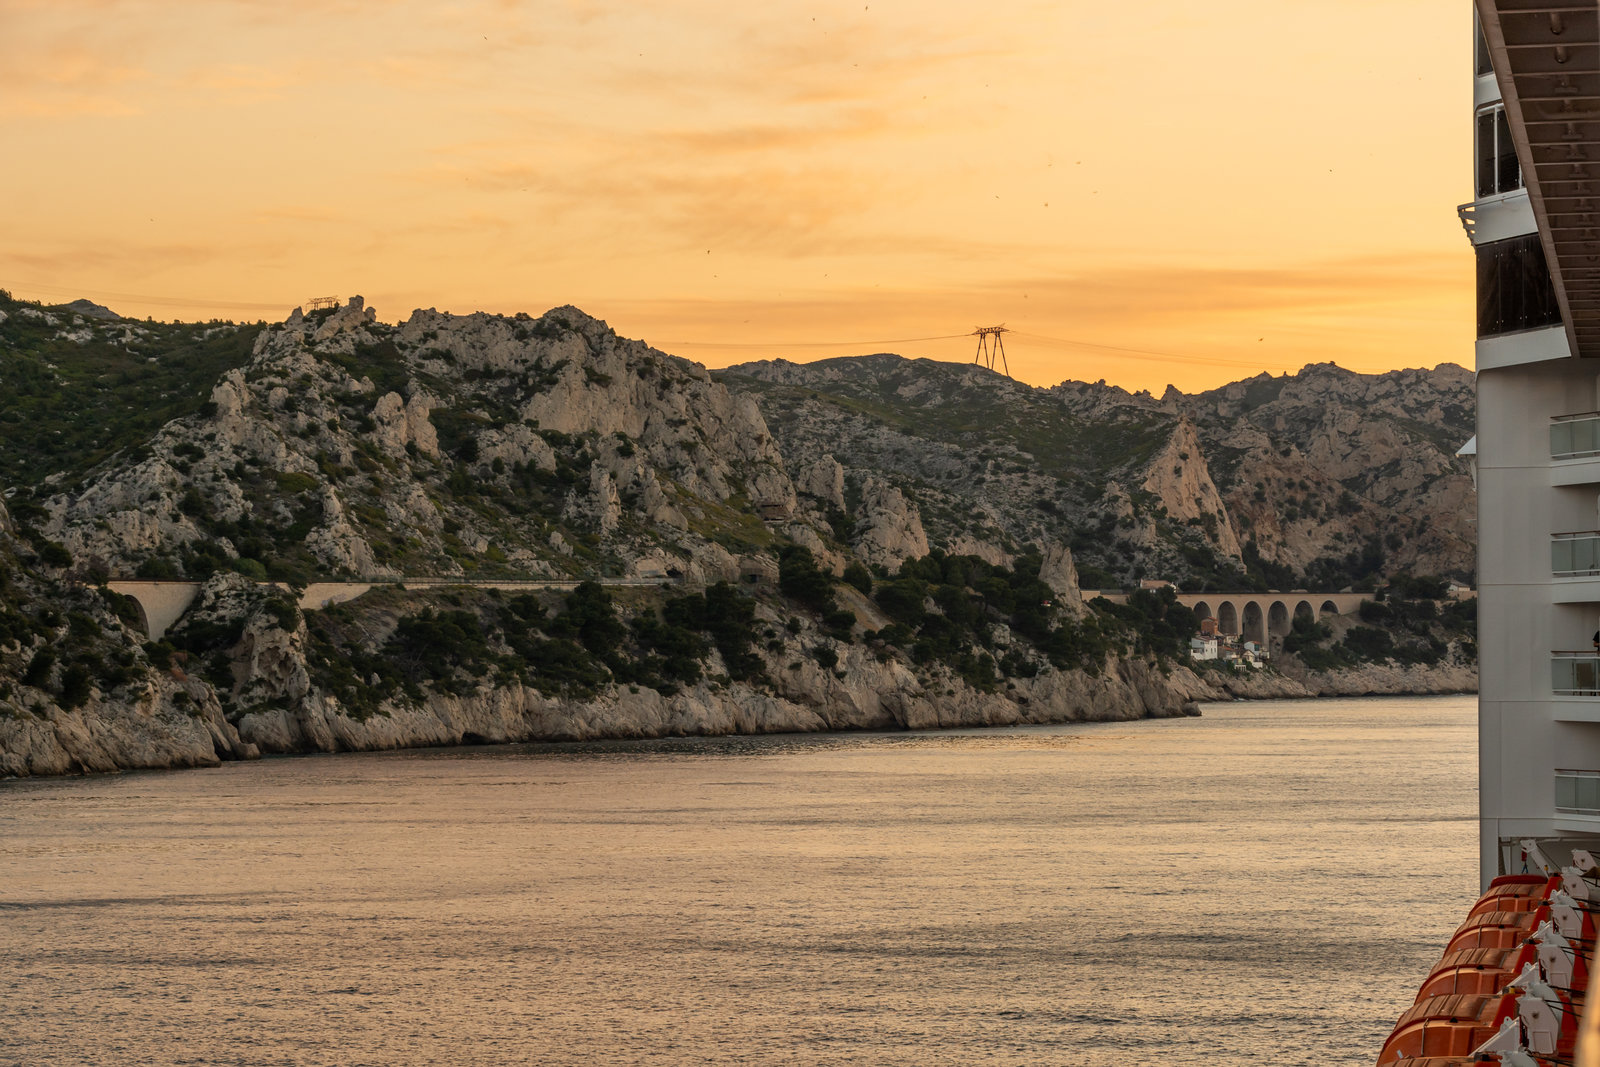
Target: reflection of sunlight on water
1268, 884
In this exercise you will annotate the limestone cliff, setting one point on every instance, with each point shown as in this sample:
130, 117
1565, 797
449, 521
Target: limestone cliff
854, 686
1296, 683
389, 451
1327, 464
1324, 478
1181, 483
80, 692
478, 447
890, 529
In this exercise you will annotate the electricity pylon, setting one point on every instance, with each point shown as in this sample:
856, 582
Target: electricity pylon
990, 345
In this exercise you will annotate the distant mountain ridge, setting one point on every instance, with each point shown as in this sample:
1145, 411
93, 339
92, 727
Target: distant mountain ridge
1325, 477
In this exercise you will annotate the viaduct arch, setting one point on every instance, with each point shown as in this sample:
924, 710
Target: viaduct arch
1257, 616
160, 603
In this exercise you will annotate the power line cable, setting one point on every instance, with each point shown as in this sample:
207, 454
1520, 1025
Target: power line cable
812, 344
1136, 353
1146, 353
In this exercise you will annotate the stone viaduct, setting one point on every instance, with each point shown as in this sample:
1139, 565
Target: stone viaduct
1255, 616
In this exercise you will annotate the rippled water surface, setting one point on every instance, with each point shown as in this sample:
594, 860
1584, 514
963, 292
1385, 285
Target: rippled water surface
1266, 884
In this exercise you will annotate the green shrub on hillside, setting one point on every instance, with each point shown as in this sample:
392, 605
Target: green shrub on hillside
576, 651
68, 406
858, 576
1157, 623
1404, 623
800, 579
970, 597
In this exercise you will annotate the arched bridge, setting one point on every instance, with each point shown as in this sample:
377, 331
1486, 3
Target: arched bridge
1250, 615
163, 603
1255, 616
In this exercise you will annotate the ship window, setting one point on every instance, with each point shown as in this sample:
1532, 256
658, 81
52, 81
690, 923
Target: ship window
1514, 287
1578, 791
1498, 171
1480, 47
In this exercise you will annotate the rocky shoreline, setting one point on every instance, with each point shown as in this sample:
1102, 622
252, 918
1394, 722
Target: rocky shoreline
178, 723
166, 732
1297, 683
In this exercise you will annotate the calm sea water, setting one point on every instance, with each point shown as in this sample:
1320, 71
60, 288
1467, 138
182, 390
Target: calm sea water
1266, 884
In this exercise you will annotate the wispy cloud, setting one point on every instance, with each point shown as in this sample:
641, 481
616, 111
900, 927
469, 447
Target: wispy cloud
1160, 292
854, 123
320, 216
248, 78
668, 202
144, 259
66, 74
1190, 325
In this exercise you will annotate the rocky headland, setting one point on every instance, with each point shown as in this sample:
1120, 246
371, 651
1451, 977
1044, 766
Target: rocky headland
757, 554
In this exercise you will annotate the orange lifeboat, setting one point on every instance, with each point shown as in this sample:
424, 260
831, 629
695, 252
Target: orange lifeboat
1513, 977
1526, 893
1496, 929
1476, 972
1517, 879
1446, 1026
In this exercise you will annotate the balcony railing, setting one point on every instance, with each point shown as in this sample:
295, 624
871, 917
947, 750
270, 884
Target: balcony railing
1573, 436
1578, 792
1575, 674
1575, 555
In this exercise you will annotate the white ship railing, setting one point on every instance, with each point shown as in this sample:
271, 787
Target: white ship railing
1575, 674
1575, 555
1578, 791
1574, 436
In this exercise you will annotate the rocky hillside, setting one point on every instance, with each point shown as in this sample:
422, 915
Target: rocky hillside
446, 446
81, 689
866, 543
1342, 475
1324, 479
78, 383
479, 447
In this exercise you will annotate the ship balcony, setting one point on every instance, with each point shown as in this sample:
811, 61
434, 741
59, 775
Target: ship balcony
1577, 792
1575, 674
1575, 555
1575, 436
1497, 217
1575, 449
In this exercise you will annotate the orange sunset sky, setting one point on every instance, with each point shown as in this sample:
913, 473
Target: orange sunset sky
1221, 188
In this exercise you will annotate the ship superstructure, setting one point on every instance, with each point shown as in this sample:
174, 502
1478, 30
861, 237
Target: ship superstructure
1511, 984
1534, 223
